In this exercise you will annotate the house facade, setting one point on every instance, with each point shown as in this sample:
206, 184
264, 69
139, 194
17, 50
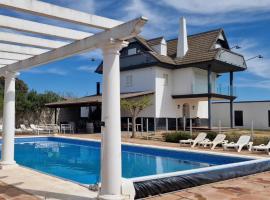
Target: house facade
247, 114
181, 74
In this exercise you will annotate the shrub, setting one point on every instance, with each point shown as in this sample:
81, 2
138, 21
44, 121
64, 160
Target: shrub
176, 136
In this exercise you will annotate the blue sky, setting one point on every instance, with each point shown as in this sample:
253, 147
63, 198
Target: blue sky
246, 23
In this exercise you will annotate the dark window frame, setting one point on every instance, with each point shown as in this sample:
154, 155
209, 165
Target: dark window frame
268, 118
238, 119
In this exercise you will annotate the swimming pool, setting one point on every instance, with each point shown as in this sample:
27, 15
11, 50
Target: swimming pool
79, 160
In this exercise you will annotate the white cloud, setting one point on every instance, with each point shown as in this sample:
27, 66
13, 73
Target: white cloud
54, 71
87, 68
248, 83
217, 7
157, 20
213, 12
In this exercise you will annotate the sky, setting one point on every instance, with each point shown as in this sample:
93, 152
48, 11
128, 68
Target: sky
246, 24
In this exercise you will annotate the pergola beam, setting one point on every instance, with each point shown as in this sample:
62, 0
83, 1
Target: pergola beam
39, 28
7, 62
122, 32
13, 56
61, 13
21, 49
30, 41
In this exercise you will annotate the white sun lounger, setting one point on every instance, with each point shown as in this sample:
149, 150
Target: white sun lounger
25, 130
36, 129
200, 137
262, 147
244, 140
219, 139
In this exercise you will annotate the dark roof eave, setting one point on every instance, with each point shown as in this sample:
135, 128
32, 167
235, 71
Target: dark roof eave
210, 95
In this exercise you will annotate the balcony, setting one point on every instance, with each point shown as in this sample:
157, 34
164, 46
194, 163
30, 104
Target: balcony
136, 59
220, 89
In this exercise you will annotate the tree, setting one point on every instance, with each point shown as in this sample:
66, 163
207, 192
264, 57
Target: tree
135, 107
29, 104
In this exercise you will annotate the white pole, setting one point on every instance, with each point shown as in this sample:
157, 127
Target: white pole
141, 126
9, 120
184, 123
155, 125
219, 126
252, 130
167, 125
128, 125
111, 166
190, 126
147, 127
176, 124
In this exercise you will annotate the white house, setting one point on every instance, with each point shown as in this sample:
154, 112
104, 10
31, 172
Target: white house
181, 75
245, 113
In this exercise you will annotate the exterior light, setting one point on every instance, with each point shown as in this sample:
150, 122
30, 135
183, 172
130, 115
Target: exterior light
258, 56
235, 47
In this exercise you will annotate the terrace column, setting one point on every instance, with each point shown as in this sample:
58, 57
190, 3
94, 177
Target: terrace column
9, 120
111, 166
209, 82
231, 100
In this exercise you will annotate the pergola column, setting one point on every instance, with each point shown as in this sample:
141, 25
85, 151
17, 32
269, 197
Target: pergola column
111, 166
9, 120
209, 82
231, 100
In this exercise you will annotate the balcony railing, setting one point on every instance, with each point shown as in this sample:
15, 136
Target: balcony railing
220, 89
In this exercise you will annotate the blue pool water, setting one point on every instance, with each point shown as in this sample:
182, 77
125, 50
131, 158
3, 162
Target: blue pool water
79, 160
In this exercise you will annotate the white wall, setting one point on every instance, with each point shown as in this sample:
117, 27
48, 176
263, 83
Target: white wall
183, 80
256, 111
180, 81
142, 80
165, 104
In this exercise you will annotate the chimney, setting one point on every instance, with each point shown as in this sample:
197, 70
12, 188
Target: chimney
182, 44
98, 88
161, 48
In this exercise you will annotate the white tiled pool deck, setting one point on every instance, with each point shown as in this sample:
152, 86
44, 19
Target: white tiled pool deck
44, 186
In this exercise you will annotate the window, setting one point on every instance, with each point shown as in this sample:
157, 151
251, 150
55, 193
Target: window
84, 112
132, 51
166, 79
128, 81
269, 118
238, 118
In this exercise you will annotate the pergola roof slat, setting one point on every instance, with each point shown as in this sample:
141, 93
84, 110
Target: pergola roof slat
7, 62
21, 49
61, 13
44, 29
13, 56
30, 41
122, 32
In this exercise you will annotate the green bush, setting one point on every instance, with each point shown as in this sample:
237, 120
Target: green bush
210, 134
176, 136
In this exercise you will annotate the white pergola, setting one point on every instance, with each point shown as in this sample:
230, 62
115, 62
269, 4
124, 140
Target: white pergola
20, 51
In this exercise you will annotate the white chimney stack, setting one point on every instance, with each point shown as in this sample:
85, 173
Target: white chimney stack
182, 44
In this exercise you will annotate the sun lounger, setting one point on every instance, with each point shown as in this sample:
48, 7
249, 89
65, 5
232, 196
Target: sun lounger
262, 147
36, 129
219, 139
200, 137
244, 140
25, 130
